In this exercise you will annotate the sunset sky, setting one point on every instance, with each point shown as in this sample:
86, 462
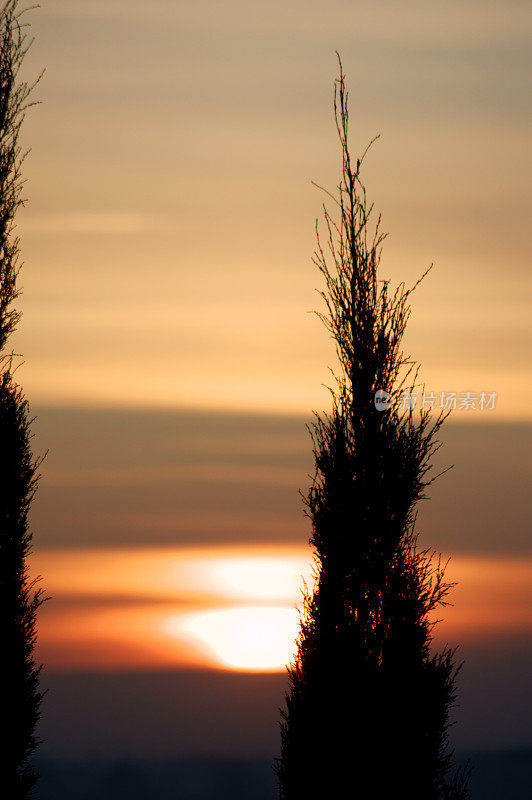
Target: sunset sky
170, 220
171, 360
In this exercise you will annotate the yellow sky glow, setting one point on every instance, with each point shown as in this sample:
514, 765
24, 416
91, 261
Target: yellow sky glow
169, 264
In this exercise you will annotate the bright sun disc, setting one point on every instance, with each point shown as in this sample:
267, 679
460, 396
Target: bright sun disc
254, 638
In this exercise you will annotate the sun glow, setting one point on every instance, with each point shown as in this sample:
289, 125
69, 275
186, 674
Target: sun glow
228, 607
213, 574
263, 577
253, 638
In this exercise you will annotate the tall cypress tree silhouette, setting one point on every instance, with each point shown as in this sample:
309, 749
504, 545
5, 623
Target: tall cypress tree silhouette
19, 598
368, 703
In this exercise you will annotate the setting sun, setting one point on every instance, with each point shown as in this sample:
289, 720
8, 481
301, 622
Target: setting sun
253, 638
224, 607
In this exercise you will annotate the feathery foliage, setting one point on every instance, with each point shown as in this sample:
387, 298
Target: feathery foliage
19, 598
368, 703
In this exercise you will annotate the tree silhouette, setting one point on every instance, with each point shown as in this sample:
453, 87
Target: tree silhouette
19, 598
368, 703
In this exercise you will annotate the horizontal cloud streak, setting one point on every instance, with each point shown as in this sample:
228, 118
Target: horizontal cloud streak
125, 477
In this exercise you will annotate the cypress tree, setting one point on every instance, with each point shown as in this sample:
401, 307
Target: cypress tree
367, 710
19, 597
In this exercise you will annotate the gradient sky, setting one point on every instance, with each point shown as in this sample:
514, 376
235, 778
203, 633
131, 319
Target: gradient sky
171, 217
167, 241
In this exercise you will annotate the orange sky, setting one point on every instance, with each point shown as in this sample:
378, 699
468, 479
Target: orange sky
228, 607
156, 530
